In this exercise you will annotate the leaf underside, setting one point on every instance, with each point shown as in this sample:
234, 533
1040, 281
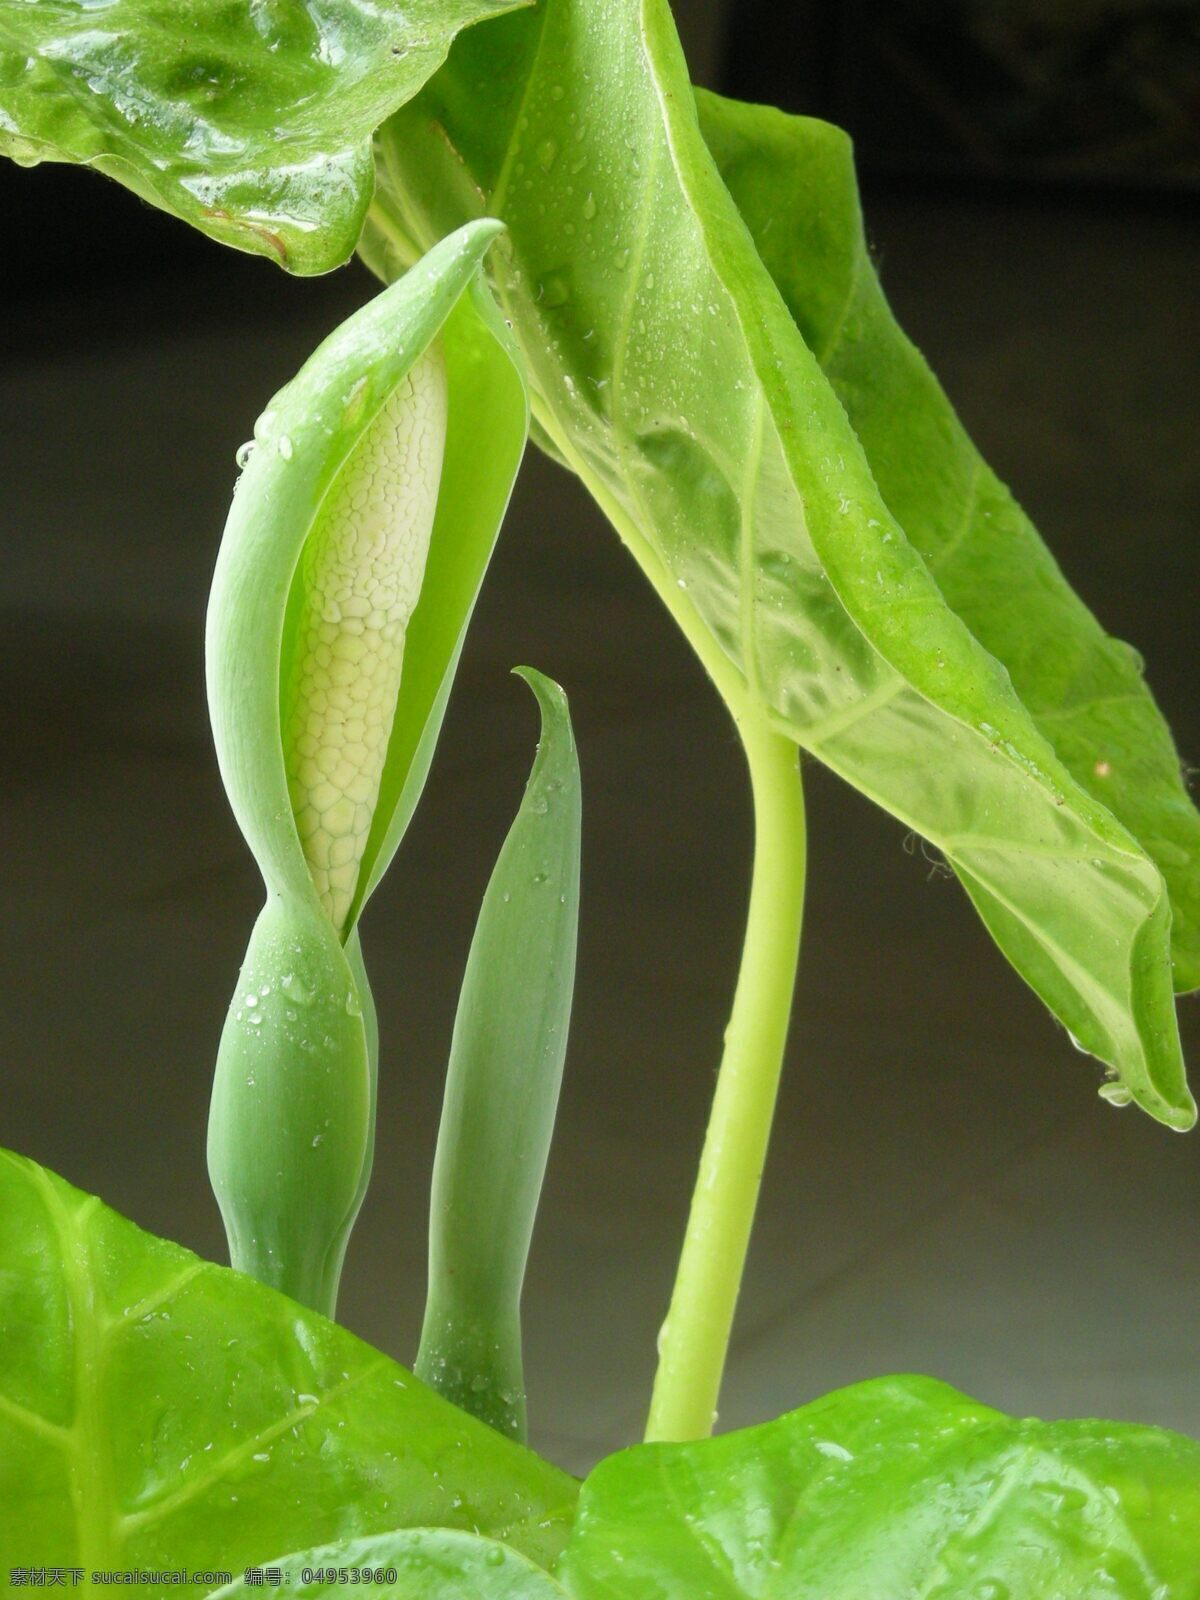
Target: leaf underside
670, 374
794, 184
253, 123
159, 1411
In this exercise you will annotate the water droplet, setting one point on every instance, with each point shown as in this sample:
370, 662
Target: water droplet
252, 1000
835, 1451
589, 208
353, 1004
245, 451
554, 290
297, 990
285, 447
1067, 1497
547, 154
318, 1139
1117, 1094
495, 1556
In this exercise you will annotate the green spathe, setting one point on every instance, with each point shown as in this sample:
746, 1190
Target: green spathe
892, 1489
159, 1411
292, 1121
251, 122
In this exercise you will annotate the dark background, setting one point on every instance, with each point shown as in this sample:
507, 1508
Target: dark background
946, 1192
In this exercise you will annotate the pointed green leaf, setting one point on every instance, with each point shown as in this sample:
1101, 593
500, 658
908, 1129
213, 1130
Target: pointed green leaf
160, 1412
793, 181
668, 371
896, 1487
355, 548
251, 122
428, 1563
506, 1063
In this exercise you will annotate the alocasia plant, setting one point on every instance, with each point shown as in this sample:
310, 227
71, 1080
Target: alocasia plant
680, 285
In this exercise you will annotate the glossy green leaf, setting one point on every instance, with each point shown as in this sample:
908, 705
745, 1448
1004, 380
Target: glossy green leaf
330, 527
793, 181
158, 1411
251, 122
895, 1489
429, 1564
667, 370
506, 1064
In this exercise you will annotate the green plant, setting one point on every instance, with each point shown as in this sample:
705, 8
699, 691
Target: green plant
672, 294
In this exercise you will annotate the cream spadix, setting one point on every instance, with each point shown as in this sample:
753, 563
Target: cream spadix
360, 578
355, 547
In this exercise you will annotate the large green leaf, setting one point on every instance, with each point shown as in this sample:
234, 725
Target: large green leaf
897, 1489
793, 181
157, 1411
506, 1064
669, 373
429, 1564
252, 122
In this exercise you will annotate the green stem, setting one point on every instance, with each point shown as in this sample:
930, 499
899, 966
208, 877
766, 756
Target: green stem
695, 1337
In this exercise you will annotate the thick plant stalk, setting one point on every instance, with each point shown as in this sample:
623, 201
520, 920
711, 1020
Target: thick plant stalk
695, 1337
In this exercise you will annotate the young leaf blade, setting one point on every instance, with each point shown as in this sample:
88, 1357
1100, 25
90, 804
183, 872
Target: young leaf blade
897, 1486
793, 181
667, 370
506, 1063
159, 1411
251, 123
430, 1564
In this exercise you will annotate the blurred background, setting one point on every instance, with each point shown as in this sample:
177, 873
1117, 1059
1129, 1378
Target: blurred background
946, 1192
